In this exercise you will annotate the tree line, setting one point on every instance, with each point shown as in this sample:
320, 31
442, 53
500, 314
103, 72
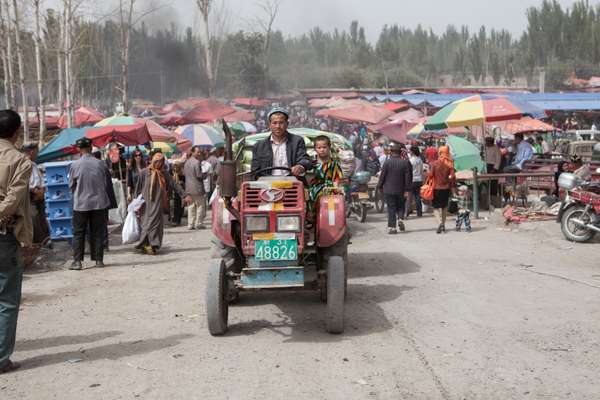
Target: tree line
66, 57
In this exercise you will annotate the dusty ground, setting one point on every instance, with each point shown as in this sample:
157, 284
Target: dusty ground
494, 314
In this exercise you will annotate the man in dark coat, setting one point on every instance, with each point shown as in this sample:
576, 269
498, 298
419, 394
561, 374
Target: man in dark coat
93, 194
396, 183
281, 149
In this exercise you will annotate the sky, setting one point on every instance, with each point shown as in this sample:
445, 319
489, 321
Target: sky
299, 16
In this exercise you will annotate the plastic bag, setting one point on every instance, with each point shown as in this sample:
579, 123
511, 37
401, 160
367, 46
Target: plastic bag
427, 189
131, 228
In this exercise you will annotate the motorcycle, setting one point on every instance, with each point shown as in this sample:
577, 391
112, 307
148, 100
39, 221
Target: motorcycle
359, 199
579, 213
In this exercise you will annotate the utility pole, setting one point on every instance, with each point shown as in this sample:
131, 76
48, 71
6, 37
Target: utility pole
162, 87
542, 80
385, 76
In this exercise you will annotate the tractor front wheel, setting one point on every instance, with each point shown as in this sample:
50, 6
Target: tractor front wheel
336, 281
217, 297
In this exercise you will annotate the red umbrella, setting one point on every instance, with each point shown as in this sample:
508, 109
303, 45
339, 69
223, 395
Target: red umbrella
128, 135
395, 106
51, 122
206, 111
157, 132
172, 118
240, 116
397, 130
250, 102
81, 117
357, 113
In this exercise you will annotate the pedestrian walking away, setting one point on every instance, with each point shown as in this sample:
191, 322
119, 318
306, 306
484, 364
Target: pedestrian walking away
417, 181
93, 194
194, 187
15, 231
395, 182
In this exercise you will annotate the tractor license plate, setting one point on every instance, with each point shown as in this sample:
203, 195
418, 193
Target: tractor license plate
276, 250
363, 196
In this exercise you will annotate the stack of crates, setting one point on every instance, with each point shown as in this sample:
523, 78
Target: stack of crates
59, 200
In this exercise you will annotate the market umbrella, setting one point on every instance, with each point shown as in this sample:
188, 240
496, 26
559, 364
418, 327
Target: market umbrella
242, 128
81, 117
240, 116
61, 145
201, 135
124, 129
357, 113
172, 118
250, 102
206, 111
465, 154
167, 148
157, 132
477, 110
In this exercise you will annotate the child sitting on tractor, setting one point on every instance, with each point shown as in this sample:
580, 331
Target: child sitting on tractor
327, 173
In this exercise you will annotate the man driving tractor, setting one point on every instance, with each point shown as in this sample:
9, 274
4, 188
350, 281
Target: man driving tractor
261, 238
281, 149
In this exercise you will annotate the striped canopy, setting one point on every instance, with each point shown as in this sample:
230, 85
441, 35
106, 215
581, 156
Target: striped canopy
477, 110
201, 135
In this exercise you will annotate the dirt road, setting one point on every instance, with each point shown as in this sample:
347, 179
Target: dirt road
494, 314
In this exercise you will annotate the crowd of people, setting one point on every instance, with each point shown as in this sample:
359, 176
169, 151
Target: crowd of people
409, 176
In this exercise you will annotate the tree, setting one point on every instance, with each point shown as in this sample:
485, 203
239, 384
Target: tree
20, 63
215, 21
270, 9
38, 70
7, 55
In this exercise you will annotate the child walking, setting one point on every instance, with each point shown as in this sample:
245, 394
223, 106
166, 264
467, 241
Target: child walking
464, 214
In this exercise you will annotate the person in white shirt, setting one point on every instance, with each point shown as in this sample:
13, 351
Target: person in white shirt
384, 157
417, 181
208, 170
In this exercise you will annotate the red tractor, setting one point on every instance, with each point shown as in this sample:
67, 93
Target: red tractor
262, 242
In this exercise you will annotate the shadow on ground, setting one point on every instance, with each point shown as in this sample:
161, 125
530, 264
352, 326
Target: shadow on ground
301, 315
113, 351
43, 343
304, 314
379, 264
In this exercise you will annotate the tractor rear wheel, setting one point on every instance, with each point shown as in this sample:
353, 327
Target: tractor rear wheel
217, 297
336, 277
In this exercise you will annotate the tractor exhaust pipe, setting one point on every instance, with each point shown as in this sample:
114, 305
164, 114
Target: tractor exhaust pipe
228, 175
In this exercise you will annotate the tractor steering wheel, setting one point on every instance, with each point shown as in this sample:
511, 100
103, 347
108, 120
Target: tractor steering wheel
289, 170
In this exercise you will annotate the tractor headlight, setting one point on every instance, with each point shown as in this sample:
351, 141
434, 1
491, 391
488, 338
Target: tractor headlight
288, 223
257, 223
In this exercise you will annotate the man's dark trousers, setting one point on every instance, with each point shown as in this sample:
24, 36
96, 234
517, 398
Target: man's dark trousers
96, 220
11, 276
395, 207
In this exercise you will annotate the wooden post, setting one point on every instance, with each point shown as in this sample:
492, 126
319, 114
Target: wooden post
475, 194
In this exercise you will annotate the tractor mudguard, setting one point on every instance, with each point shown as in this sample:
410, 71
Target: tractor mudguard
221, 221
331, 220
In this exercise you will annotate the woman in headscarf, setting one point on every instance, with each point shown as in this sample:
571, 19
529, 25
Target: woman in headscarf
154, 183
444, 179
